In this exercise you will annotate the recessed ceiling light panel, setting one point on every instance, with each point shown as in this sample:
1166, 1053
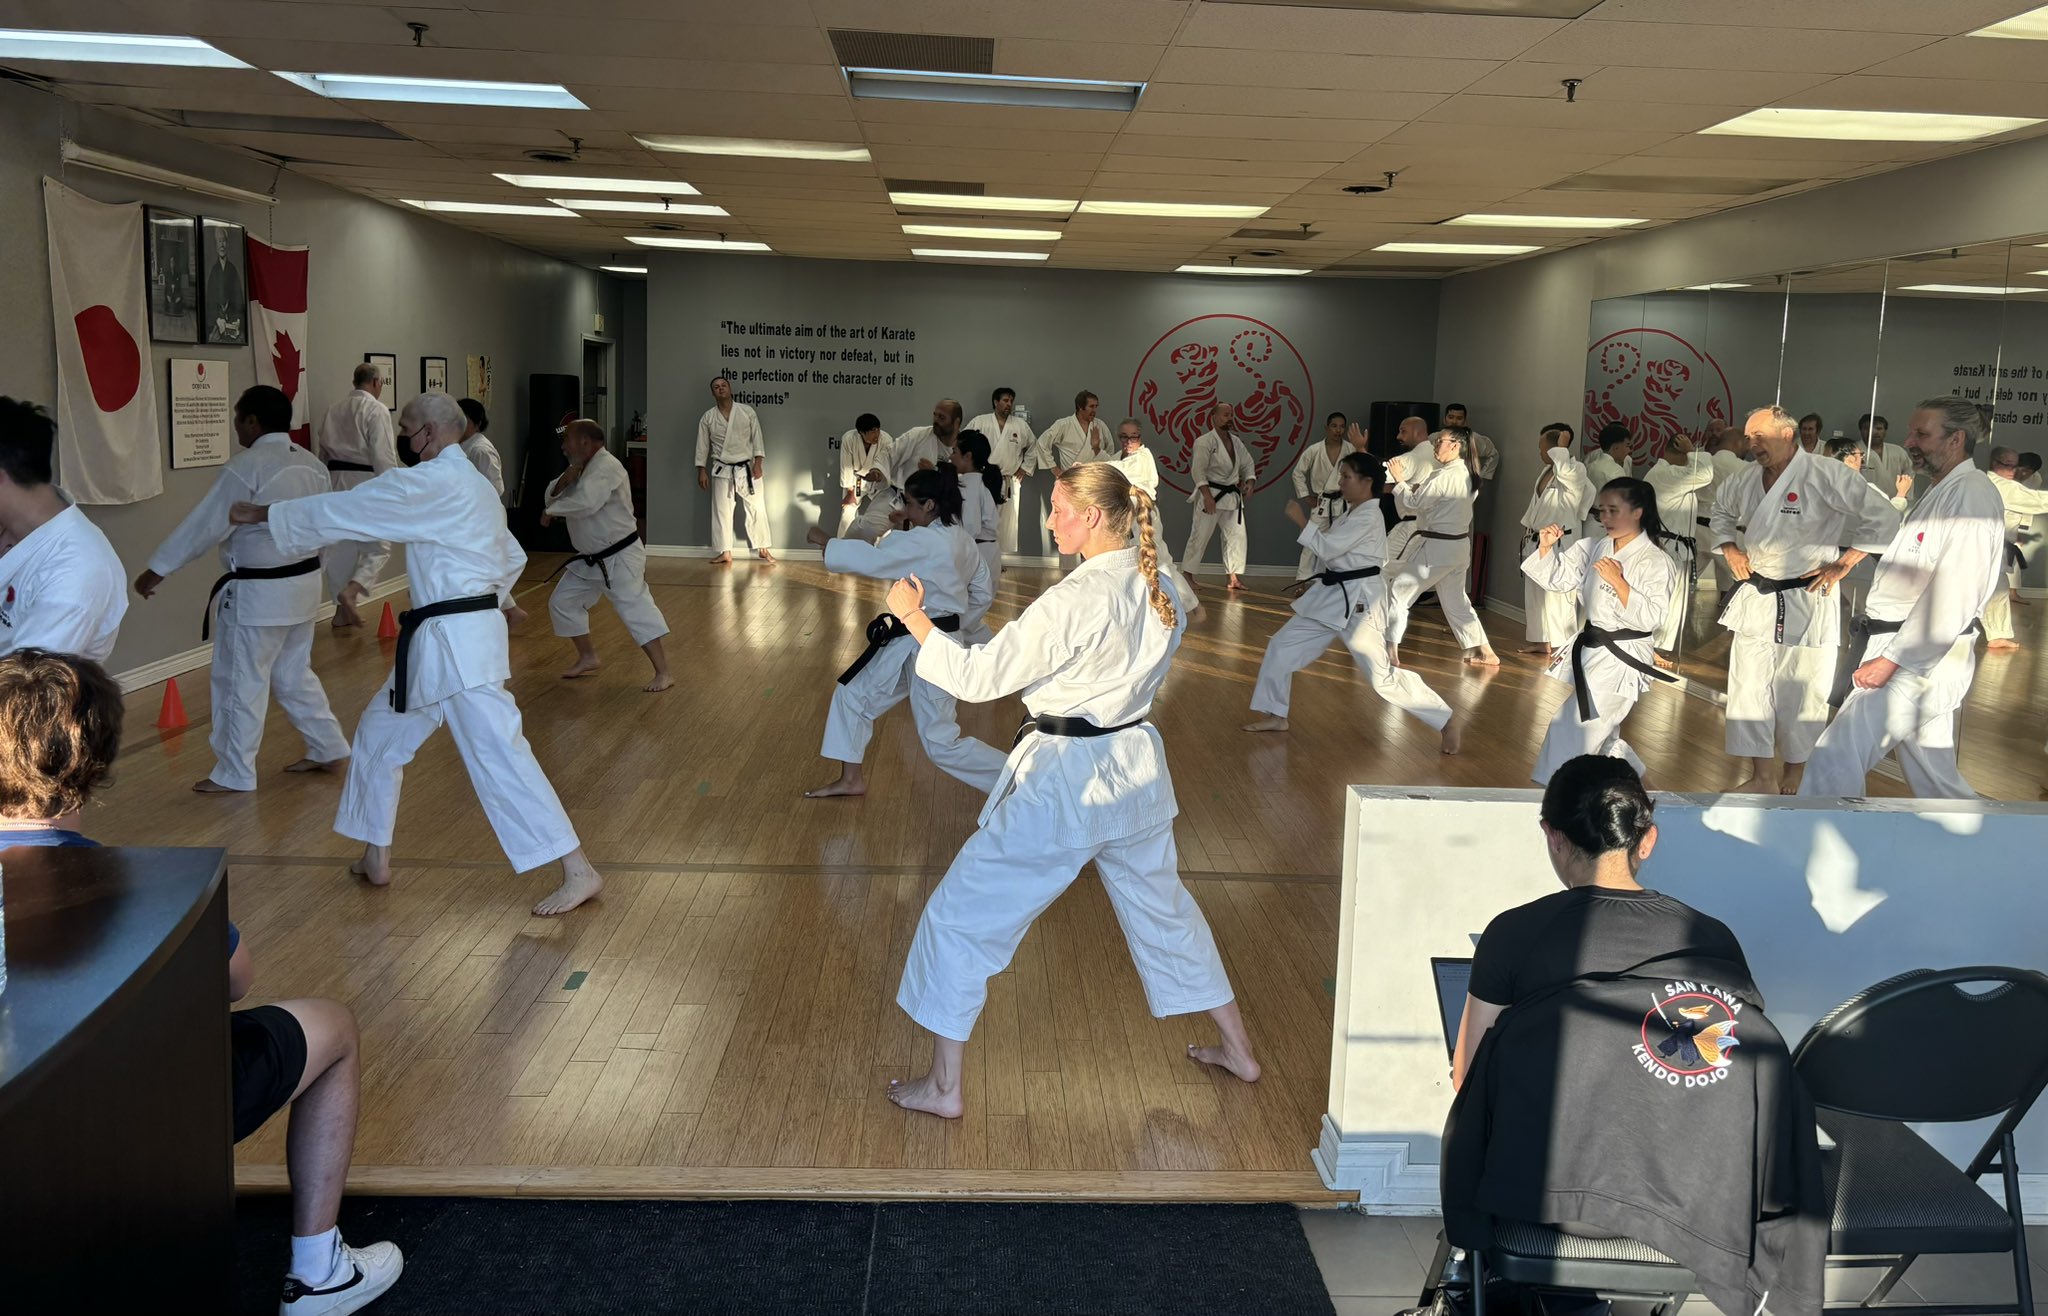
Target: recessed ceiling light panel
992, 89
1712, 287
757, 147
1967, 288
1235, 269
615, 205
623, 269
1541, 221
947, 253
113, 48
1865, 125
491, 208
1171, 210
571, 183
699, 244
2030, 26
982, 233
1460, 248
1020, 205
436, 91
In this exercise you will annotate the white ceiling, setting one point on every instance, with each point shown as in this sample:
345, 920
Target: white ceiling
1255, 103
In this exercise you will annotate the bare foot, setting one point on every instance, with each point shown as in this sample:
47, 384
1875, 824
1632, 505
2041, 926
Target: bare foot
375, 865
1393, 655
315, 765
581, 667
923, 1094
722, 560
579, 883
662, 681
514, 615
1237, 1062
208, 786
345, 615
837, 788
1482, 657
1234, 584
2002, 646
1454, 734
765, 555
1754, 786
1666, 664
1267, 723
1535, 650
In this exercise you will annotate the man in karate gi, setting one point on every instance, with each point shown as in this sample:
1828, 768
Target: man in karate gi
1800, 510
263, 634
1678, 478
452, 661
1481, 454
866, 494
1222, 470
1613, 457
1809, 431
730, 450
1081, 437
1414, 456
926, 447
1013, 445
354, 439
596, 498
1315, 487
1915, 652
1883, 463
62, 588
2022, 505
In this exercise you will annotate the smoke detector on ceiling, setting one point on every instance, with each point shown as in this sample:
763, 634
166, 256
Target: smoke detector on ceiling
1367, 189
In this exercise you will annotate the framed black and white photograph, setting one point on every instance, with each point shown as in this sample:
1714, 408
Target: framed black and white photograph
171, 245
433, 374
223, 283
387, 370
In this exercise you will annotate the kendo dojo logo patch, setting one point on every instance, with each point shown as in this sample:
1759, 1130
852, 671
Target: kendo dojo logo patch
1688, 1036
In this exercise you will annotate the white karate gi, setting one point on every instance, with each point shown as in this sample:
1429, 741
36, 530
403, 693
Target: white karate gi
867, 517
1413, 466
1563, 493
1442, 504
62, 590
483, 454
2022, 505
1142, 470
1612, 685
1882, 467
922, 444
1315, 472
1090, 647
1943, 564
1854, 591
1215, 464
1678, 491
598, 509
1065, 443
956, 583
457, 546
728, 447
1013, 447
356, 430
263, 633
978, 519
1726, 465
1600, 468
1350, 611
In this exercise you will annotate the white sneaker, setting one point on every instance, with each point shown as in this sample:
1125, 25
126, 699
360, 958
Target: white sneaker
373, 1269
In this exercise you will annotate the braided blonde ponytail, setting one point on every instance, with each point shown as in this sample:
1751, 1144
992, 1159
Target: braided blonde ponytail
1148, 559
1126, 510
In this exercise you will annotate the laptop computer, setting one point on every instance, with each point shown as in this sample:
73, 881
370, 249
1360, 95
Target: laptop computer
1453, 978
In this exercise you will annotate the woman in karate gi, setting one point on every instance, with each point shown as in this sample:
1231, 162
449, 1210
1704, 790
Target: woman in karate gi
1623, 580
1563, 496
1085, 781
928, 542
1142, 470
981, 493
1343, 601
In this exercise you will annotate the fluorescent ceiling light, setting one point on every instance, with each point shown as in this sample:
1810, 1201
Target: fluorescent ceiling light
571, 183
1967, 287
1235, 269
1021, 205
114, 48
978, 231
613, 205
992, 89
1171, 210
700, 244
1541, 221
942, 253
436, 91
623, 269
490, 208
1711, 287
759, 147
1866, 125
2030, 26
1460, 248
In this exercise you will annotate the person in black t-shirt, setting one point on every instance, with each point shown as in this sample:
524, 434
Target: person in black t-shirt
1599, 827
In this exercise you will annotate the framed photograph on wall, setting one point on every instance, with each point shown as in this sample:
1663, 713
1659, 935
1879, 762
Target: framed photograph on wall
387, 370
223, 283
170, 242
433, 374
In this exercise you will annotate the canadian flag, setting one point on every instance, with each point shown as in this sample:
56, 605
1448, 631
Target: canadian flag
108, 446
277, 324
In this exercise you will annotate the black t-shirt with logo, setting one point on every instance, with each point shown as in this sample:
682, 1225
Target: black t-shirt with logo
1589, 929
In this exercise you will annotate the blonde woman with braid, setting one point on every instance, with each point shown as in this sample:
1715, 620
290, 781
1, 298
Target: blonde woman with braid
1086, 780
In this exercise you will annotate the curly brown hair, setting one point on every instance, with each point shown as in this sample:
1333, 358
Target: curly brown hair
60, 728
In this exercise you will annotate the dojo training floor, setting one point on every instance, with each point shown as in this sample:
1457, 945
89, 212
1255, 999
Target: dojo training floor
722, 1022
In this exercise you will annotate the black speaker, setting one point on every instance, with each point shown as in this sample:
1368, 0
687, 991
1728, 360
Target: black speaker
1387, 418
551, 400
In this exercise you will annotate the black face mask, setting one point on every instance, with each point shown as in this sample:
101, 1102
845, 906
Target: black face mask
405, 453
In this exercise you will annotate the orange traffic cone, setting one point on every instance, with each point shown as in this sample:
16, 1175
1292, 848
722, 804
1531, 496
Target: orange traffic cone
387, 629
173, 715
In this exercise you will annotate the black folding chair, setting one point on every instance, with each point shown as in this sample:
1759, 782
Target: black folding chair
1920, 1048
1537, 1259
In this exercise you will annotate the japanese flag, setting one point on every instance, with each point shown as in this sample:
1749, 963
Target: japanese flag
277, 327
108, 447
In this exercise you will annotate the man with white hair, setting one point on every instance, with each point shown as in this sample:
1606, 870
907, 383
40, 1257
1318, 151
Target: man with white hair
595, 497
730, 451
355, 441
452, 661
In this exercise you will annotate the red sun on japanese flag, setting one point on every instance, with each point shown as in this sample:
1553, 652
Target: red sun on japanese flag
113, 363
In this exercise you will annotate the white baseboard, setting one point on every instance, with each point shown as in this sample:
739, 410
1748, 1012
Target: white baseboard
177, 664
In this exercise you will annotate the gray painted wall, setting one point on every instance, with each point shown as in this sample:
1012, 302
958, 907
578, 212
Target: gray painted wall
383, 280
1046, 333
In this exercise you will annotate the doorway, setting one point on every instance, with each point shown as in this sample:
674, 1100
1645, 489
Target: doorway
597, 384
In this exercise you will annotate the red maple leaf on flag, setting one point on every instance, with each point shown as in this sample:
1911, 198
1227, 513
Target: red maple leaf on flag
285, 356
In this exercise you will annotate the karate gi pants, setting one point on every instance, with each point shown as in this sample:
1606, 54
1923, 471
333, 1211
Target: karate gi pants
1568, 737
521, 805
1666, 638
1440, 565
1998, 612
1912, 714
724, 489
1777, 697
358, 562
1004, 878
883, 684
575, 594
1548, 617
250, 664
1303, 640
1206, 523
1006, 515
1305, 566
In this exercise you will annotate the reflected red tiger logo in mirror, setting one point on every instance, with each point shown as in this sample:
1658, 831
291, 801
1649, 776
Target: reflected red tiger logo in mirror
1224, 358
1657, 384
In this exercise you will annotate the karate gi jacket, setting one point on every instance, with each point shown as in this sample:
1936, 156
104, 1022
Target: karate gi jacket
1211, 464
728, 440
1796, 527
1065, 443
271, 470
1568, 569
358, 429
1316, 473
1355, 540
942, 557
1678, 492
856, 459
1011, 443
1939, 570
1441, 501
913, 446
62, 589
483, 454
1563, 492
598, 509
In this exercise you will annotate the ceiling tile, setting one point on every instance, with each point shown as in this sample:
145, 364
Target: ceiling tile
1708, 46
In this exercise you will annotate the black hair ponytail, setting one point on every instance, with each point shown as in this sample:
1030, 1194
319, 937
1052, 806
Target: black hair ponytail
1641, 495
1599, 805
975, 444
940, 487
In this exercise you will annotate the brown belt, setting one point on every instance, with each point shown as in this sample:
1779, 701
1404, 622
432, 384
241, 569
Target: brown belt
1438, 534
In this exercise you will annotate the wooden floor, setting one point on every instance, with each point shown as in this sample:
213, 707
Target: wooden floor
722, 1022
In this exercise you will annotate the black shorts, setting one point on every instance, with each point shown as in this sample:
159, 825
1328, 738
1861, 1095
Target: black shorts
270, 1058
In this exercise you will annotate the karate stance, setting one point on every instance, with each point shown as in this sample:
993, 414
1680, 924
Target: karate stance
1142, 470
595, 497
2022, 505
1624, 580
729, 455
268, 602
1441, 502
928, 542
452, 661
355, 442
1563, 496
62, 588
1413, 460
1344, 601
1678, 477
1222, 469
1086, 780
1014, 446
865, 495
1913, 657
1315, 485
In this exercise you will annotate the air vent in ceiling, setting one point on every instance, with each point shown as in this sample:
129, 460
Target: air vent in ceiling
1275, 234
1698, 185
1510, 8
299, 124
931, 185
913, 51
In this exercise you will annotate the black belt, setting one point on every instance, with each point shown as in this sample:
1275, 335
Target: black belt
1220, 490
1769, 585
1601, 638
1053, 724
1851, 656
1536, 536
1438, 534
597, 559
747, 466
305, 568
409, 623
984, 541
2014, 557
1331, 506
881, 631
1338, 578
350, 466
1701, 520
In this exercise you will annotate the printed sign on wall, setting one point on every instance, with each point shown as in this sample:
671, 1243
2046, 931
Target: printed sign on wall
202, 414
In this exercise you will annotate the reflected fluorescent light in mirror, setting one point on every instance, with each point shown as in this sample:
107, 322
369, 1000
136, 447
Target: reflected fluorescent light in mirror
625, 207
1171, 210
759, 148
973, 231
490, 208
1865, 125
1980, 291
1711, 287
623, 269
699, 244
2030, 26
114, 48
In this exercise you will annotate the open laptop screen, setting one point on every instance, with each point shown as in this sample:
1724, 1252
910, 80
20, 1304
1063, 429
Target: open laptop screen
1453, 978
